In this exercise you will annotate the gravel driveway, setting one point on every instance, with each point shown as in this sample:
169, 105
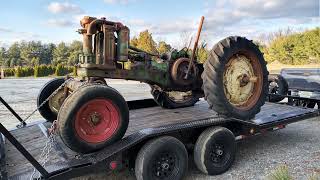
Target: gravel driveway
297, 146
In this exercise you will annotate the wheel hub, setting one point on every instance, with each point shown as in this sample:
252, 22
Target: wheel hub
97, 120
164, 165
179, 70
55, 102
239, 80
94, 118
273, 87
217, 153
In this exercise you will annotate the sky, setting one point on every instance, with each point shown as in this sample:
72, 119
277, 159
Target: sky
172, 21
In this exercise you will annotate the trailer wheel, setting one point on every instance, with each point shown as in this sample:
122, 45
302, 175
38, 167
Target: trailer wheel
50, 109
2, 151
277, 85
214, 151
93, 117
173, 99
163, 158
235, 78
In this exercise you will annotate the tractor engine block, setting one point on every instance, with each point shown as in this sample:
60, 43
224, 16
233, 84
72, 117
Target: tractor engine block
110, 43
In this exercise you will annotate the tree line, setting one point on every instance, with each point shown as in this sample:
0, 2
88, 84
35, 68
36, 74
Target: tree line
287, 48
294, 48
35, 53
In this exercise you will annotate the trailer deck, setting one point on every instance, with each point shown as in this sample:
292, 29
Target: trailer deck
144, 123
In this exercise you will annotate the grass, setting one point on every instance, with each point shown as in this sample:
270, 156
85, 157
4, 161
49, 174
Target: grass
281, 173
314, 177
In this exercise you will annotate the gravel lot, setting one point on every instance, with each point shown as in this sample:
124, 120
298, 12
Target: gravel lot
297, 146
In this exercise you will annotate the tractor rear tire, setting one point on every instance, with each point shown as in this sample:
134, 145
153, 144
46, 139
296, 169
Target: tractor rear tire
163, 99
92, 118
234, 67
45, 92
280, 87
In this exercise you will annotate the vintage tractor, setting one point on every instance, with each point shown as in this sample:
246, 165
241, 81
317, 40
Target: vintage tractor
92, 115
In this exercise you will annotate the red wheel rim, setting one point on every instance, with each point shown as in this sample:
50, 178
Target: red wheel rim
97, 120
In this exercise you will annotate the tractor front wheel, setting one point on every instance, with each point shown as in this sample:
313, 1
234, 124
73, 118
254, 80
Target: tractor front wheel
92, 118
50, 109
173, 99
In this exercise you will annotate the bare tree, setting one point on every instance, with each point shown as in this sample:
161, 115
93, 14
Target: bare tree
185, 37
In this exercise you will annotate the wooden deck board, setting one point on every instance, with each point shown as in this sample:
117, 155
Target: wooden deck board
33, 139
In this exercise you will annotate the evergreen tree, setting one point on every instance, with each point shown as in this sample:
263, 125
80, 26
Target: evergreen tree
61, 54
47, 54
3, 56
14, 55
75, 49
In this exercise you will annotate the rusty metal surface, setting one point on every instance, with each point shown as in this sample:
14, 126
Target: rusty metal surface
179, 70
195, 47
243, 81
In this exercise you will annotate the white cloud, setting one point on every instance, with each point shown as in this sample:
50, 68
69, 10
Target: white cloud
122, 2
253, 17
60, 22
11, 32
9, 36
5, 30
138, 22
56, 7
235, 11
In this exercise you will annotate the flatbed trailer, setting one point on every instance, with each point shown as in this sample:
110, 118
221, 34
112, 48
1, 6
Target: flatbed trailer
147, 121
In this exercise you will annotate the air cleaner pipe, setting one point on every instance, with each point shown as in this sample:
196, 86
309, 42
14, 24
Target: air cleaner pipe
195, 47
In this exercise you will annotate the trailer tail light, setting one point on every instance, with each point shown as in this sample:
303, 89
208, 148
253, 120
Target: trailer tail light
113, 165
279, 127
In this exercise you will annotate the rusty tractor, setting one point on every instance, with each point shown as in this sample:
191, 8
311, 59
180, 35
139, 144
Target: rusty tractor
92, 115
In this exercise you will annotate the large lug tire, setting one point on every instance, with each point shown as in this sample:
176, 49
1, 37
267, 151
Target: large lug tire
165, 100
92, 118
277, 85
49, 113
235, 78
214, 150
164, 158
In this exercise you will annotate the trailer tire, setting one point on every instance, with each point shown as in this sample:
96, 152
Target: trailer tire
214, 150
280, 87
235, 78
162, 158
92, 118
44, 93
2, 158
2, 150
